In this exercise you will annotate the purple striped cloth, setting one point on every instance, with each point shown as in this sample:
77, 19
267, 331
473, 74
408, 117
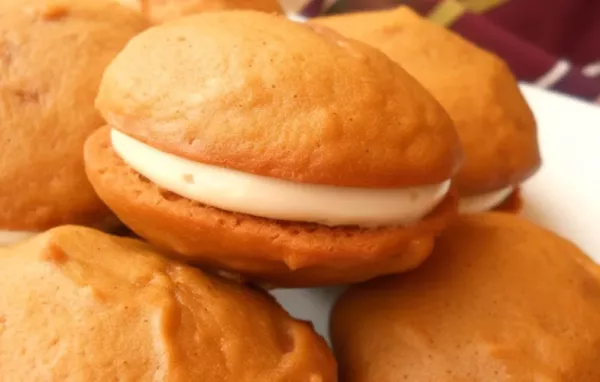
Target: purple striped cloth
553, 44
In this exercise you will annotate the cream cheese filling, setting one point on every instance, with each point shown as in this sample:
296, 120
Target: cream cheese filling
11, 237
272, 198
484, 202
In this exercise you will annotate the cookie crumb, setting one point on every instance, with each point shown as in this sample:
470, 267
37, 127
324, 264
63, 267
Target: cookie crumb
27, 96
53, 12
54, 254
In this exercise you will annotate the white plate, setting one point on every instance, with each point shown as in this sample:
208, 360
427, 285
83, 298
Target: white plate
563, 196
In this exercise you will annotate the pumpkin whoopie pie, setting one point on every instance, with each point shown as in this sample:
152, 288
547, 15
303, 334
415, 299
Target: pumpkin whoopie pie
251, 143
495, 124
160, 11
77, 304
52, 55
500, 299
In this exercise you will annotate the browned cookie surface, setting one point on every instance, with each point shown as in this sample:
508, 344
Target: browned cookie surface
165, 10
262, 94
500, 299
77, 304
52, 55
496, 127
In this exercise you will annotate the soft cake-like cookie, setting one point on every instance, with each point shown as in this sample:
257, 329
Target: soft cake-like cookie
80, 305
496, 127
245, 141
52, 55
164, 10
500, 299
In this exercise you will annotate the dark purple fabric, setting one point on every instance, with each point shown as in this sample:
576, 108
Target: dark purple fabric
313, 8
565, 28
524, 58
532, 36
576, 84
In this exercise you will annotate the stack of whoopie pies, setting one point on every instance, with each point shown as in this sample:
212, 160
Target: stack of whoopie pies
285, 155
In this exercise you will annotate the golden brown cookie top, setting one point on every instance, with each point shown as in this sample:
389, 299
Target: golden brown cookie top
97, 307
164, 10
500, 299
53, 53
476, 87
264, 95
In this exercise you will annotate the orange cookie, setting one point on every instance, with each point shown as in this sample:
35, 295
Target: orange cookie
160, 11
53, 53
496, 127
78, 304
244, 141
500, 299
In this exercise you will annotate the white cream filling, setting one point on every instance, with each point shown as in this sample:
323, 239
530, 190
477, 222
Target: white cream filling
11, 237
267, 197
484, 202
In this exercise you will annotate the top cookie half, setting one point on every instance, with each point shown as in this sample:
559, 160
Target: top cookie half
283, 100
